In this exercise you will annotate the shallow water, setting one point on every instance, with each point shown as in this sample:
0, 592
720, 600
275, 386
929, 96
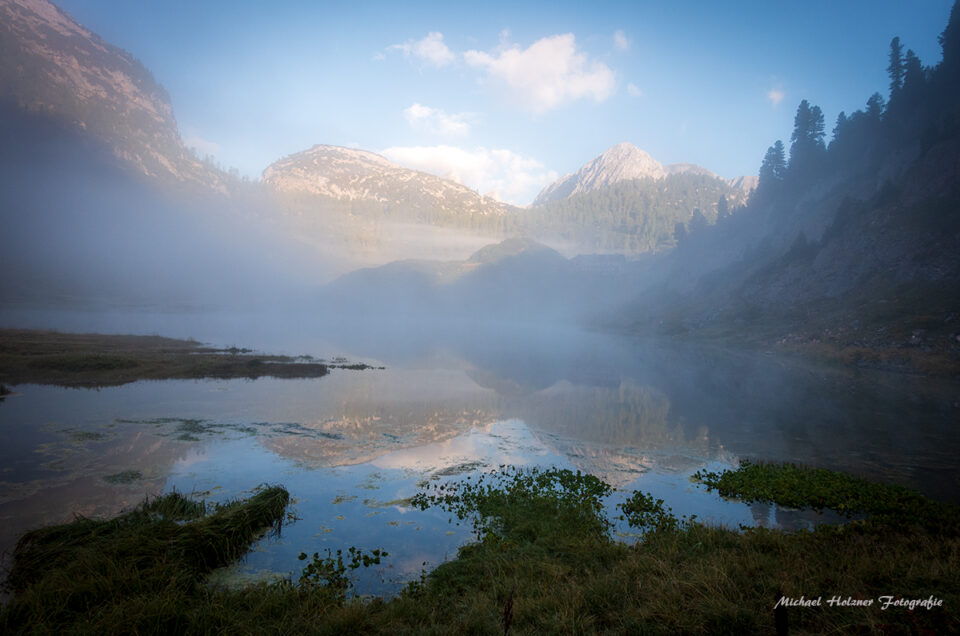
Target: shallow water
353, 446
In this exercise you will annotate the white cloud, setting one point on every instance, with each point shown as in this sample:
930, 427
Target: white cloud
437, 120
203, 146
620, 40
775, 95
547, 74
633, 90
430, 49
497, 172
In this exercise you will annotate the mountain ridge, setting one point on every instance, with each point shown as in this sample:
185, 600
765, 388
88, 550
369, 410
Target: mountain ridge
362, 176
621, 162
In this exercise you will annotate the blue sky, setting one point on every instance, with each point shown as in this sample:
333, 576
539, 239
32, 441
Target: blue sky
505, 96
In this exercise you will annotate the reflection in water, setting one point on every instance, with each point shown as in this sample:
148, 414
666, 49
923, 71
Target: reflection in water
352, 447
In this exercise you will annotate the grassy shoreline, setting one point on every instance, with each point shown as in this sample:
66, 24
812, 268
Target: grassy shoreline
543, 562
29, 356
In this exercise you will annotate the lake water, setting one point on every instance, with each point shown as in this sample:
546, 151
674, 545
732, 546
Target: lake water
353, 446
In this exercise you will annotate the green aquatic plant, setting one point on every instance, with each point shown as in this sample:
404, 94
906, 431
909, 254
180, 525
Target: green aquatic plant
523, 503
796, 486
332, 573
641, 510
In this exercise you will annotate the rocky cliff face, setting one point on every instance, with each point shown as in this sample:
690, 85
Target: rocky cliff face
623, 161
347, 174
54, 66
620, 163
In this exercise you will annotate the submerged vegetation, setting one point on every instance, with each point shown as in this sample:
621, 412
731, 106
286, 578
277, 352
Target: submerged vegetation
543, 562
91, 360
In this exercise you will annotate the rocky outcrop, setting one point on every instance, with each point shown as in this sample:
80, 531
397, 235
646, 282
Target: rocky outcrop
54, 66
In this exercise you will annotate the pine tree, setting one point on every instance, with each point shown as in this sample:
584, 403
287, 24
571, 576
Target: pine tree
950, 43
723, 209
842, 123
913, 75
875, 106
807, 147
896, 69
773, 168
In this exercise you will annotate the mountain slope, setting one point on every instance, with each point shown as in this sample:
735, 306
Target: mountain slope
54, 66
850, 250
516, 280
359, 176
622, 162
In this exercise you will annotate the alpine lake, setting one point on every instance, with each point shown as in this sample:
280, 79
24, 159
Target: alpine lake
449, 403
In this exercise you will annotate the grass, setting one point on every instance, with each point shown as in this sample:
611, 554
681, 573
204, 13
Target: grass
93, 360
543, 562
132, 573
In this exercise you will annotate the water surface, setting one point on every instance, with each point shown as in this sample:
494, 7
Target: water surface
353, 446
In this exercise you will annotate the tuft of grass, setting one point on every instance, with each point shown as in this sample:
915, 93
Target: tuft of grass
88, 574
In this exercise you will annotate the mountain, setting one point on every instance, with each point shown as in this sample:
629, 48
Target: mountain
52, 66
517, 279
619, 163
349, 175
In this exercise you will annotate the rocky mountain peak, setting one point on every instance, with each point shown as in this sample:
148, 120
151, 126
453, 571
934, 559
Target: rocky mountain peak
621, 162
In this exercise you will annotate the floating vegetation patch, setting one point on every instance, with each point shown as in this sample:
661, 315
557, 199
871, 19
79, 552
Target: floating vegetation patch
374, 503
188, 429
459, 469
124, 477
798, 487
372, 482
83, 436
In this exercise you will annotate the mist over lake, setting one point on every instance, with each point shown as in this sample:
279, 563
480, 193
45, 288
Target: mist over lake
418, 321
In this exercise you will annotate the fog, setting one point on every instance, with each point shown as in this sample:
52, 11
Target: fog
81, 229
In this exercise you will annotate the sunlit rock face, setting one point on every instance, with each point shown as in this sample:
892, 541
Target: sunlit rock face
621, 163
55, 67
348, 174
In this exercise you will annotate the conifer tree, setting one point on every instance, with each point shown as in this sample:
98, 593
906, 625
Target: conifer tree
875, 107
773, 168
913, 77
896, 69
723, 209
